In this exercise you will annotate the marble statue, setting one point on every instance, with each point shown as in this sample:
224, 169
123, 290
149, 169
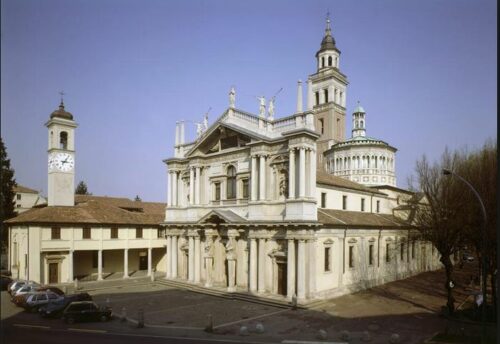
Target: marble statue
232, 97
271, 108
262, 107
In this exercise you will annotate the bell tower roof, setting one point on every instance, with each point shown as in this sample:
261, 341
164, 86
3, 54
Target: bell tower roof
61, 113
328, 42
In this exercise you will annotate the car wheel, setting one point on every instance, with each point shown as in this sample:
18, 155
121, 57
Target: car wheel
70, 320
103, 318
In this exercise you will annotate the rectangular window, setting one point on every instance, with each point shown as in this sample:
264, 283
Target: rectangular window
245, 185
56, 233
370, 254
317, 98
217, 192
138, 233
18, 196
378, 206
323, 200
86, 233
114, 233
344, 202
322, 125
351, 256
362, 204
326, 96
327, 258
387, 253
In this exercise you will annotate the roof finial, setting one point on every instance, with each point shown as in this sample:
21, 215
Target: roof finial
328, 29
62, 99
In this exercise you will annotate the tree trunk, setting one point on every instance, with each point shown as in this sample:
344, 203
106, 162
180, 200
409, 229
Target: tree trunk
448, 266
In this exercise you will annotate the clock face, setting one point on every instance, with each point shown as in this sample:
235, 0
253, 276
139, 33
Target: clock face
63, 162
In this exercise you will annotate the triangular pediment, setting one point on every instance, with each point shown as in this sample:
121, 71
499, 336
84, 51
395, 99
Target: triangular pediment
222, 216
221, 137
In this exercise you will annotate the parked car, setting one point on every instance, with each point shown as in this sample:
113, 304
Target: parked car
40, 298
55, 309
85, 311
52, 289
18, 284
6, 281
25, 289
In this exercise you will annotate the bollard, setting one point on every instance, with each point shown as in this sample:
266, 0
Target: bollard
294, 302
394, 339
322, 335
140, 318
244, 331
259, 328
123, 316
210, 324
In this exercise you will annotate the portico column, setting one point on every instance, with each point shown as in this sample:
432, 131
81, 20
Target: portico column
231, 266
262, 178
302, 172
197, 255
99, 265
169, 188
191, 185
262, 267
291, 174
70, 266
174, 256
253, 265
125, 263
174, 189
191, 260
253, 178
311, 261
290, 268
168, 259
312, 173
198, 185
301, 269
150, 268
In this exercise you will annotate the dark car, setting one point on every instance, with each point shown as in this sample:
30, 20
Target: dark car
6, 281
55, 290
85, 311
55, 309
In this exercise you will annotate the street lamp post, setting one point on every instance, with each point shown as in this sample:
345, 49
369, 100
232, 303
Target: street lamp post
483, 249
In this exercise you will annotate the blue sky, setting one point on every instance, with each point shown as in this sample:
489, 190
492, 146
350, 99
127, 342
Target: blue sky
425, 71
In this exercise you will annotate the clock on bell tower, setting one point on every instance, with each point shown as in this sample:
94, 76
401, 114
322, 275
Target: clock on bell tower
61, 158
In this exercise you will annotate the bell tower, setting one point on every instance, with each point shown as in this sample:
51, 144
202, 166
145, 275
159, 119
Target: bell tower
326, 94
61, 158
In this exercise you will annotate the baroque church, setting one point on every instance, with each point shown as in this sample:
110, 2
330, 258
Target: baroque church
274, 207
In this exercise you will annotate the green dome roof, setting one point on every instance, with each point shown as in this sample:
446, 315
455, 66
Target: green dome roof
359, 109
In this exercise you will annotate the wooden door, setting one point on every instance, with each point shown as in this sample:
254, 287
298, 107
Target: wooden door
282, 279
53, 273
143, 262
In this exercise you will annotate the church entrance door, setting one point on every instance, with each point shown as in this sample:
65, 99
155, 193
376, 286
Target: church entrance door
143, 262
53, 273
282, 278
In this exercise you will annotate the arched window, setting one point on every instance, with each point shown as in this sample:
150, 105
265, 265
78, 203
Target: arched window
326, 96
231, 182
356, 124
329, 60
361, 123
63, 140
323, 61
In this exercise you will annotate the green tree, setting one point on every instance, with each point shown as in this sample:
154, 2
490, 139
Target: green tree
7, 192
81, 189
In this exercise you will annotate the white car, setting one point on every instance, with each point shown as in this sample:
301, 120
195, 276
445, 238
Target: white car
26, 288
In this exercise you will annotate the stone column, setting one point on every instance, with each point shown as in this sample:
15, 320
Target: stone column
312, 267
262, 178
312, 173
70, 266
309, 95
208, 262
231, 265
299, 97
290, 264
301, 270
169, 188
99, 265
262, 266
191, 186
191, 260
125, 263
174, 256
253, 265
302, 172
174, 198
291, 174
253, 179
150, 267
197, 255
168, 258
198, 185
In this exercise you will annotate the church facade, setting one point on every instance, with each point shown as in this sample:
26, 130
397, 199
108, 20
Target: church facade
255, 204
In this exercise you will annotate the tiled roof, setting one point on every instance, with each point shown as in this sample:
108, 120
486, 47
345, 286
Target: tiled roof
96, 210
24, 189
329, 179
359, 219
